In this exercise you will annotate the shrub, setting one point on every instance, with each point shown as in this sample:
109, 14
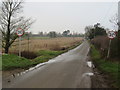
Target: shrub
26, 54
102, 43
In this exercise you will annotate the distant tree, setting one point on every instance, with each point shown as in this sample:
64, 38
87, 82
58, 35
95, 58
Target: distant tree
81, 35
66, 33
52, 34
26, 34
41, 34
89, 32
59, 34
98, 30
114, 21
10, 21
93, 31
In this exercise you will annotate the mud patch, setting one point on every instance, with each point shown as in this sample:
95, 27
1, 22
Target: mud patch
6, 74
100, 80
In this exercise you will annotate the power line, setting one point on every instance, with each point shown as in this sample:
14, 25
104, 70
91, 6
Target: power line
103, 20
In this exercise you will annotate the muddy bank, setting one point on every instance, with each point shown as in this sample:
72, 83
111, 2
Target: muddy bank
6, 74
100, 80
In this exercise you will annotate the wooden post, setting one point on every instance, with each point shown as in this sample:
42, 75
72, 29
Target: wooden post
19, 46
109, 48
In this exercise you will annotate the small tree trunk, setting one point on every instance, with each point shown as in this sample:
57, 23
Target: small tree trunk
6, 50
8, 35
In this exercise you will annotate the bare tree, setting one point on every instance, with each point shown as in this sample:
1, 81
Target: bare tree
114, 21
10, 21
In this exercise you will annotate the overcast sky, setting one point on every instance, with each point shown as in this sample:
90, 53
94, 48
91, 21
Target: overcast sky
73, 16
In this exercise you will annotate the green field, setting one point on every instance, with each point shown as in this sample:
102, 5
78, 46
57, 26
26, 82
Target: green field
107, 67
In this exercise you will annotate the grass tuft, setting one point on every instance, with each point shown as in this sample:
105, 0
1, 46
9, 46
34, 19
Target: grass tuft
48, 53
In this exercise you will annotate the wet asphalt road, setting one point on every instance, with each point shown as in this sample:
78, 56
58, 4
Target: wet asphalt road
65, 71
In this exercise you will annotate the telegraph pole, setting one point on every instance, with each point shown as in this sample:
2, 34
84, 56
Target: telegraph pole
109, 49
118, 36
118, 33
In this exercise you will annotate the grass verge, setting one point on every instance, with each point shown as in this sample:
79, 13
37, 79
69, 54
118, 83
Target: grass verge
109, 68
0, 62
11, 61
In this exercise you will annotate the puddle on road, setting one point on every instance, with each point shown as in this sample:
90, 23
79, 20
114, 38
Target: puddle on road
89, 63
88, 74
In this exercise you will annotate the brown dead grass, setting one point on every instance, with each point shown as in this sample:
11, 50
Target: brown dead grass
46, 44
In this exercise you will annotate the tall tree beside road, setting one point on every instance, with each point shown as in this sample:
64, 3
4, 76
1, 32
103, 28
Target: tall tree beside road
10, 21
93, 31
89, 32
114, 21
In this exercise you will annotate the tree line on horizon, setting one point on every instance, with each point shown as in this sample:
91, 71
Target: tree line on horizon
54, 34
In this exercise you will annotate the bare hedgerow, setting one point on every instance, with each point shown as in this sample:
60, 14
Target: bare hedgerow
102, 43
